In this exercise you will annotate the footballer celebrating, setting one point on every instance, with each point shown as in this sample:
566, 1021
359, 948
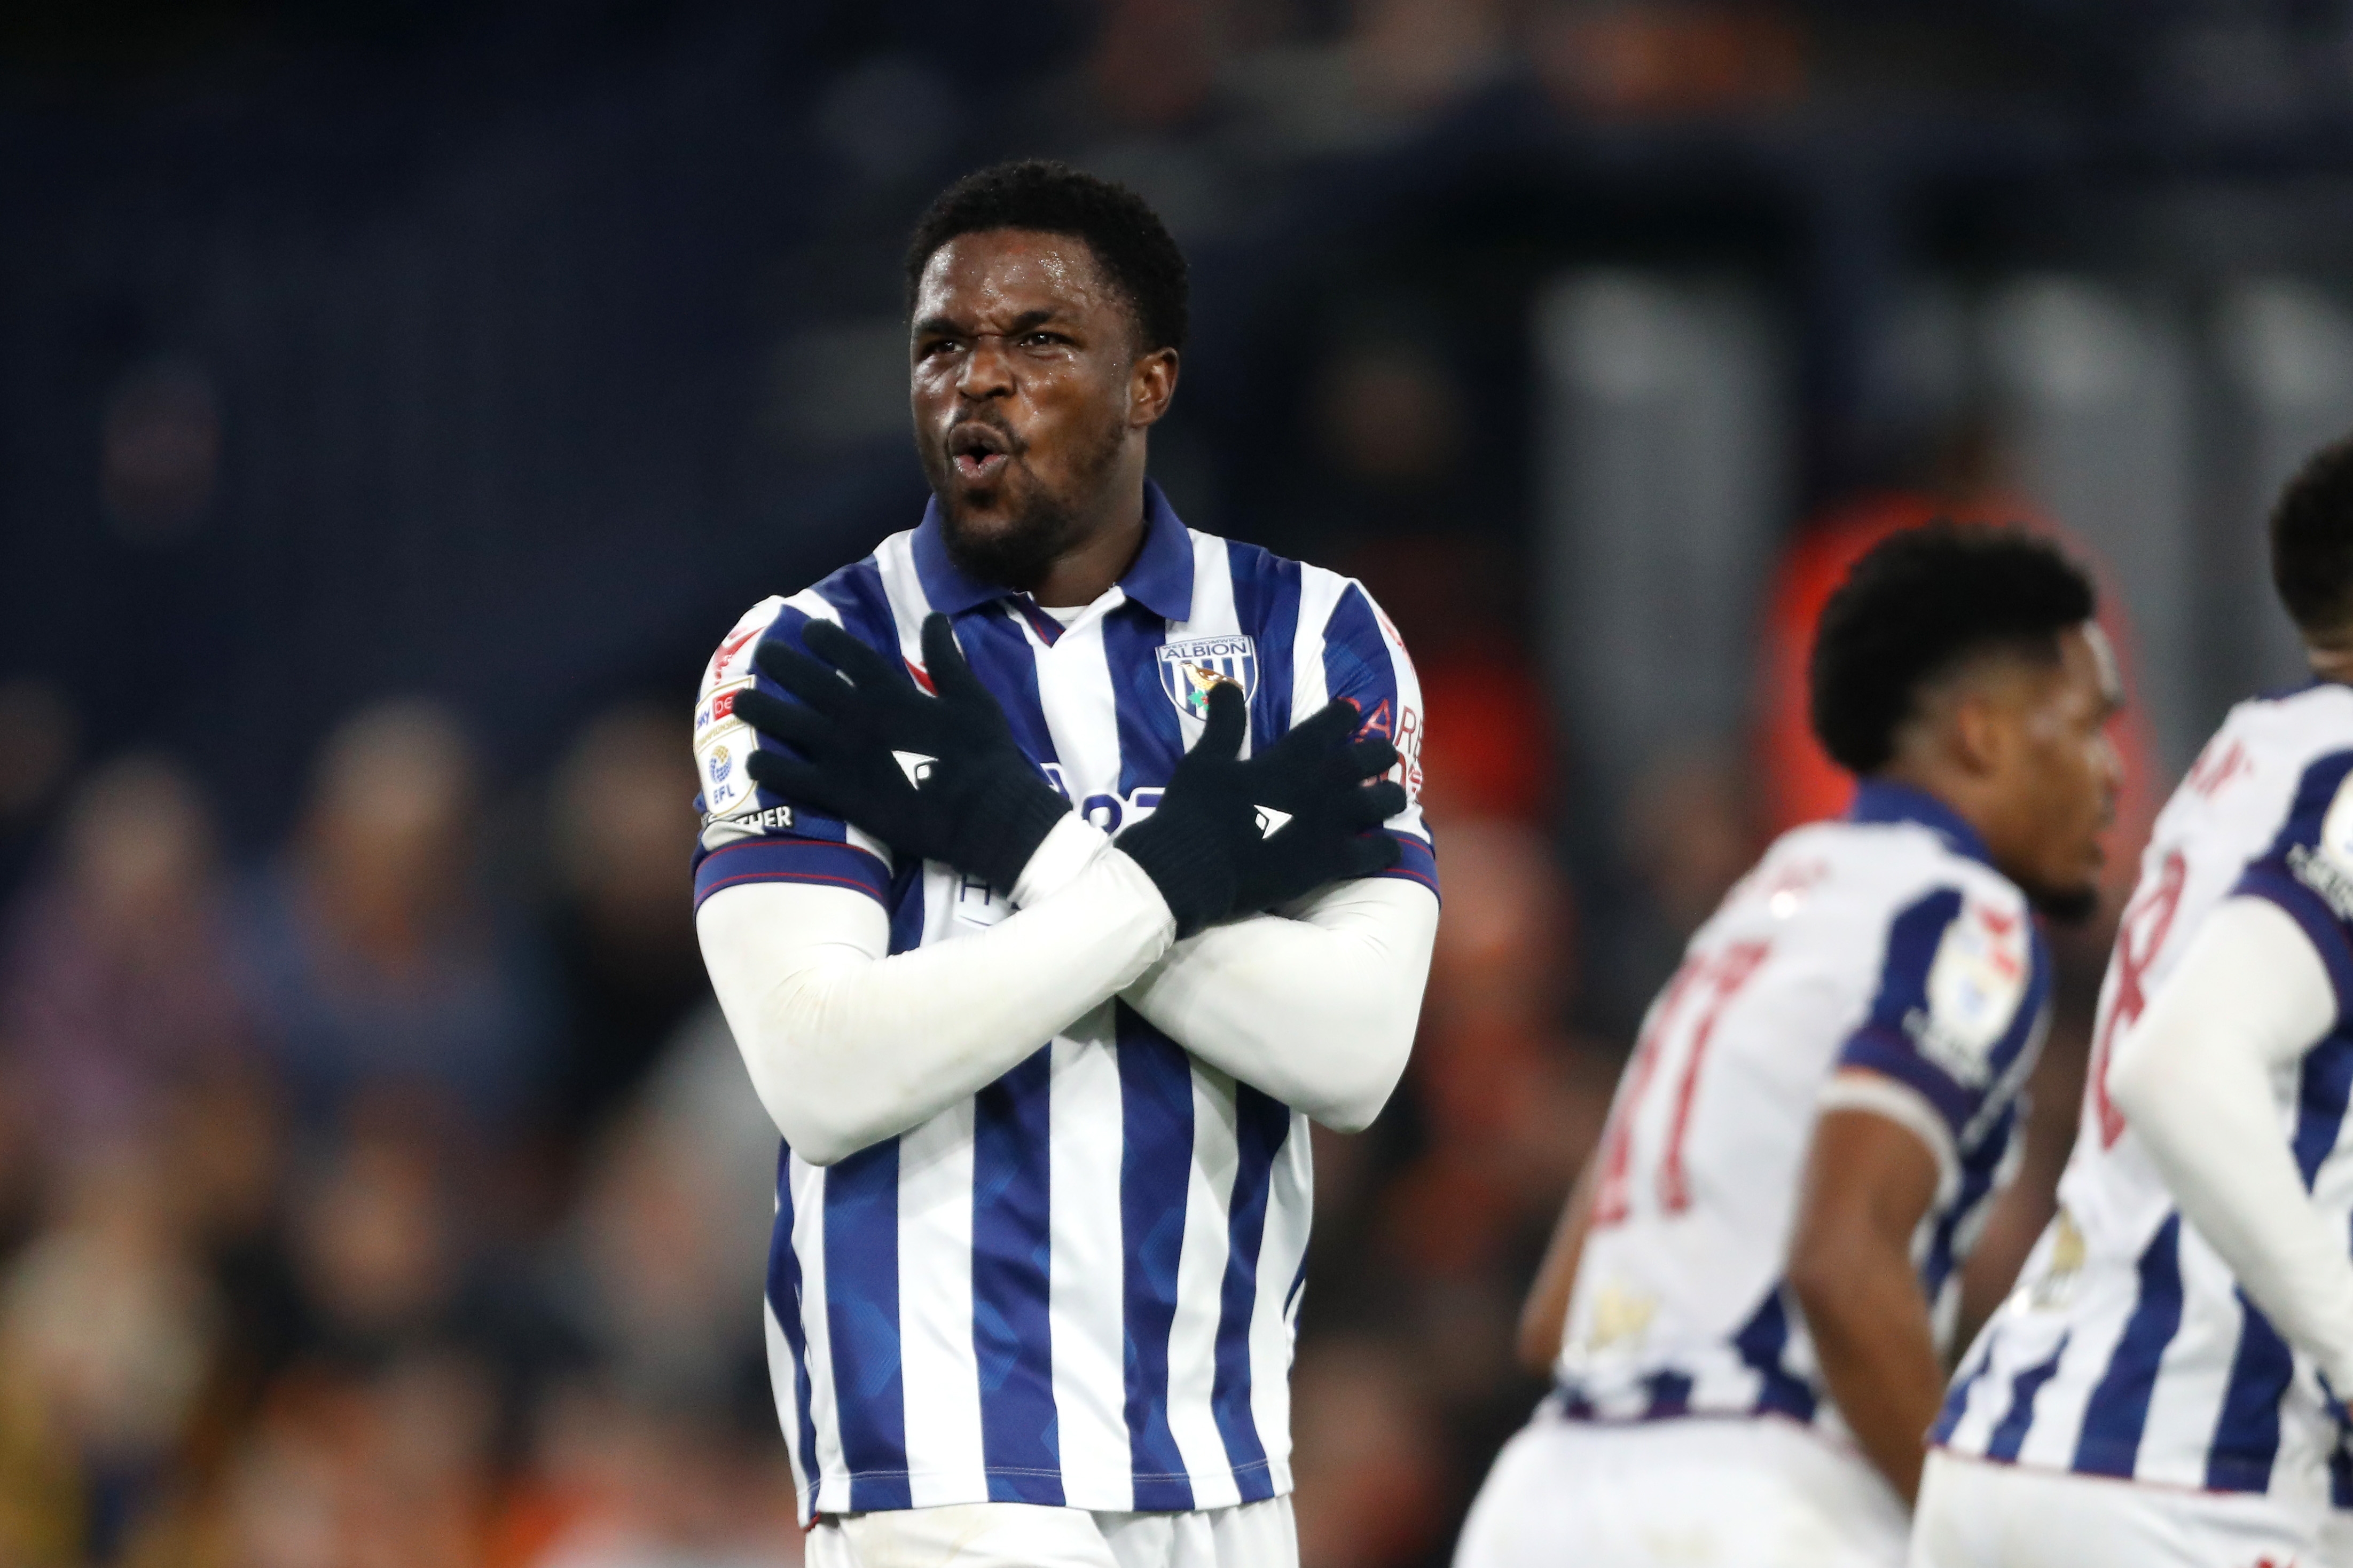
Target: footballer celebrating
1050, 883
2167, 1383
1746, 1306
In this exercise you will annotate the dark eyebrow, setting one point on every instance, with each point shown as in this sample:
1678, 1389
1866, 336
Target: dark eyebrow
1028, 321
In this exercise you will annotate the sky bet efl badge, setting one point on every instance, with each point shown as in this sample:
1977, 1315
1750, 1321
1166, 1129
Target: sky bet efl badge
1189, 669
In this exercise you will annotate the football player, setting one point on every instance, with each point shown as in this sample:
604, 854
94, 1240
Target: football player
1747, 1305
1045, 893
2167, 1383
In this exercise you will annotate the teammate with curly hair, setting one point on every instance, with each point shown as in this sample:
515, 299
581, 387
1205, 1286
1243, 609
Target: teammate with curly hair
1747, 1302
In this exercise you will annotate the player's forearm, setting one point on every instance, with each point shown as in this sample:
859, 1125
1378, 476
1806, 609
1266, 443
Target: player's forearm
1872, 1337
1319, 1011
848, 1047
2193, 1080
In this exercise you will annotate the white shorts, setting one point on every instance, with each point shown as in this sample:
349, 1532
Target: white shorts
2336, 1539
1725, 1493
1975, 1514
1026, 1535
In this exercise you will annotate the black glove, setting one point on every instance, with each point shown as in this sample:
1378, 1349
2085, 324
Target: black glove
937, 778
1207, 845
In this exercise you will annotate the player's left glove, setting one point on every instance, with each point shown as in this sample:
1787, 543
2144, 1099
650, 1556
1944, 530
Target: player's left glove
937, 778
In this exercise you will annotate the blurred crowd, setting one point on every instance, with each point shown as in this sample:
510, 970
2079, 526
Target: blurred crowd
378, 1183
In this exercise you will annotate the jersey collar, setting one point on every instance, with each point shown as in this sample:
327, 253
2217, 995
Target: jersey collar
1879, 800
1160, 580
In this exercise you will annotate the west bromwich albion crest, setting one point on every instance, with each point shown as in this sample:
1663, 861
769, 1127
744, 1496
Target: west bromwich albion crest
1190, 670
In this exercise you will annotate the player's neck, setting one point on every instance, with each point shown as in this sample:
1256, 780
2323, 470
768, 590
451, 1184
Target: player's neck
1103, 554
2331, 663
1945, 785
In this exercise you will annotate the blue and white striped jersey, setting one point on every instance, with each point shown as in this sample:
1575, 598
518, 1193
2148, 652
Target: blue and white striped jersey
1079, 1286
1883, 942
2126, 1349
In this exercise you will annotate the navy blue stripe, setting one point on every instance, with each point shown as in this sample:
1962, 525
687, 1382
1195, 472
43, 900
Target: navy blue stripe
791, 861
1150, 741
1891, 1051
1262, 1123
2117, 1411
1155, 1083
862, 1314
1957, 1401
1012, 1336
1980, 1168
1760, 1343
2247, 1432
2009, 1432
1357, 663
784, 1300
2340, 1477
2322, 1088
857, 594
1669, 1395
1416, 861
1005, 662
1266, 607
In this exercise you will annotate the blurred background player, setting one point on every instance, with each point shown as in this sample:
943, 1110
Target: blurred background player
1825, 1098
1032, 1302
2186, 1321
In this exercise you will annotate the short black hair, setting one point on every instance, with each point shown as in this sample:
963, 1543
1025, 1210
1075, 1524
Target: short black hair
2312, 544
1130, 243
1919, 606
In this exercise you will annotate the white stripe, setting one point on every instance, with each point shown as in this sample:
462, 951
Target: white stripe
940, 1374
1319, 595
780, 1384
2195, 1373
1074, 692
1086, 1278
809, 1245
2058, 1425
903, 588
1200, 1275
1289, 1207
1213, 614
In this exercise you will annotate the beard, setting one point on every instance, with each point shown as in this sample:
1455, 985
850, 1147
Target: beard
2063, 906
1035, 526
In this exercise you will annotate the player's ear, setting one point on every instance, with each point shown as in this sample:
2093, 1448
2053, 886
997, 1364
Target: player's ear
1981, 729
1151, 385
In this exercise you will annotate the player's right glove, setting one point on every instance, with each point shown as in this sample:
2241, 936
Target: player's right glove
1232, 836
936, 778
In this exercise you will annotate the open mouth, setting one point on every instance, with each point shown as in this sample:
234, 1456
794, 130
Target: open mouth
980, 452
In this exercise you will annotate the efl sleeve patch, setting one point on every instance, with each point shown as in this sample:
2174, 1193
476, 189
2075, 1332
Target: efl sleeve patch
736, 812
1962, 988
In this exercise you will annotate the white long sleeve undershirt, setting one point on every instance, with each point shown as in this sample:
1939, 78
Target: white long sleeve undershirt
2195, 1080
849, 1043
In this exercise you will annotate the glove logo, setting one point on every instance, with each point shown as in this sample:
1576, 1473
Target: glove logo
915, 765
1270, 821
1190, 670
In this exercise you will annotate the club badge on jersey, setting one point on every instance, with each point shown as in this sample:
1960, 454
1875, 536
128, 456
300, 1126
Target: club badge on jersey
1189, 670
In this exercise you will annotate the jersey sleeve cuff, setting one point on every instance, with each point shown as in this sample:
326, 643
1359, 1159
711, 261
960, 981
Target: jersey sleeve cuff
1878, 1049
1416, 861
1854, 1088
792, 860
2274, 884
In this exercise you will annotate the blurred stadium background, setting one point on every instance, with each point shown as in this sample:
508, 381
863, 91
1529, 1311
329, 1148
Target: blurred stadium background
399, 397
